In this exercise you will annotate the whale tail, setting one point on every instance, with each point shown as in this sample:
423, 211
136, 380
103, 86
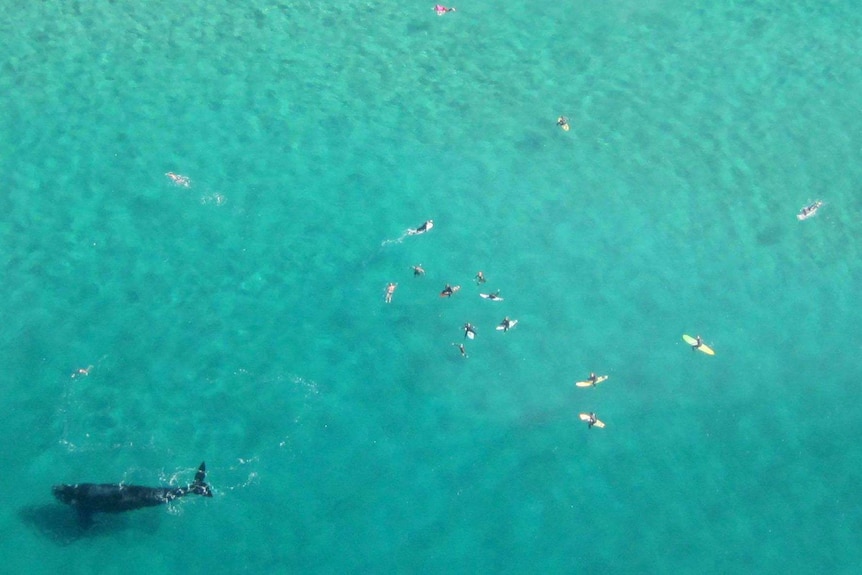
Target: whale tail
200, 486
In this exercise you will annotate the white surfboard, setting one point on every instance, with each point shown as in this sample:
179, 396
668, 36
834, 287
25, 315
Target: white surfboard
490, 296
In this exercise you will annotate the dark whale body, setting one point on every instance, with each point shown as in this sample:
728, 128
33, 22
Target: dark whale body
89, 498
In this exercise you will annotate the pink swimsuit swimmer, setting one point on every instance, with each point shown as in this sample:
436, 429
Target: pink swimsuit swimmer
179, 180
440, 9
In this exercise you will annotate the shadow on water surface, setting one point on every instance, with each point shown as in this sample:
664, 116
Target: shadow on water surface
62, 525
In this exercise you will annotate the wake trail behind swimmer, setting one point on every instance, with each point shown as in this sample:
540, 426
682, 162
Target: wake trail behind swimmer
410, 232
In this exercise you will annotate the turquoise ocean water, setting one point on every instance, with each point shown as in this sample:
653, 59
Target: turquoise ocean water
241, 320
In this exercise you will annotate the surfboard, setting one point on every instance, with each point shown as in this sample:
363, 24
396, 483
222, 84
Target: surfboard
588, 383
421, 229
454, 289
512, 324
809, 211
490, 296
586, 417
470, 335
703, 347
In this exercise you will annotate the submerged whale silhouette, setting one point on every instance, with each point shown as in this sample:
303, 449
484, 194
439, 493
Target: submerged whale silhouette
89, 498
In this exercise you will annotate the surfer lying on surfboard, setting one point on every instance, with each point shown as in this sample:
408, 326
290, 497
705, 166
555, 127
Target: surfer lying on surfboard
418, 270
491, 296
421, 229
410, 232
469, 330
449, 290
507, 324
809, 210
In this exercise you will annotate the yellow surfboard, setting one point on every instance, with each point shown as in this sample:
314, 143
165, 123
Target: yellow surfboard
693, 342
588, 383
586, 417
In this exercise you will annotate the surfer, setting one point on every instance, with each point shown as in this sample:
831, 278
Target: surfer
590, 418
809, 210
440, 9
492, 296
591, 381
469, 330
698, 342
421, 229
418, 271
449, 290
390, 289
505, 324
462, 349
480, 277
563, 122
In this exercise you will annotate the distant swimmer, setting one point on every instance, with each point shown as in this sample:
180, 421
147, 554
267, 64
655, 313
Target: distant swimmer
492, 296
462, 349
809, 211
390, 289
449, 290
507, 324
179, 180
591, 420
421, 229
82, 371
563, 122
480, 278
440, 9
418, 270
469, 331
592, 380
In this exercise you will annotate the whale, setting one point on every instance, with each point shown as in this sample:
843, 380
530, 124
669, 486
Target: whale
90, 498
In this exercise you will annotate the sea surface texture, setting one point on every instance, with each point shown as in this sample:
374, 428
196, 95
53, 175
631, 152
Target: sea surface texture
240, 319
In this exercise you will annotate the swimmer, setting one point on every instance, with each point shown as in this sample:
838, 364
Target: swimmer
179, 180
469, 330
390, 289
82, 372
449, 290
421, 229
462, 349
418, 271
440, 9
480, 278
563, 122
809, 210
591, 420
